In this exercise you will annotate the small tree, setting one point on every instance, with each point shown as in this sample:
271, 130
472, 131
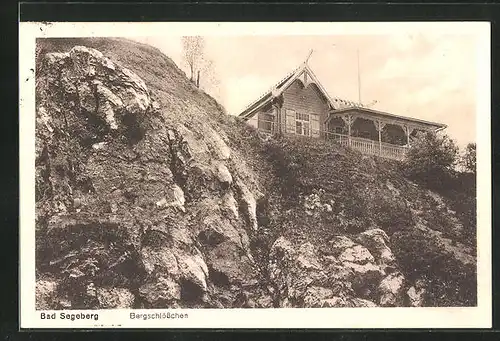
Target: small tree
468, 159
200, 66
193, 47
431, 159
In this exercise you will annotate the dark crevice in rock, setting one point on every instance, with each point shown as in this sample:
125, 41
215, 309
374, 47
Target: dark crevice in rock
262, 212
86, 186
127, 271
176, 166
97, 129
210, 238
191, 293
134, 132
43, 187
218, 278
130, 195
75, 289
155, 239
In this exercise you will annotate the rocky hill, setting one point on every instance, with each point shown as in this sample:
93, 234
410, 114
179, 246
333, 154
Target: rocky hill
149, 195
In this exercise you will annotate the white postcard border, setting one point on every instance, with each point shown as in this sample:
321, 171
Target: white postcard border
473, 317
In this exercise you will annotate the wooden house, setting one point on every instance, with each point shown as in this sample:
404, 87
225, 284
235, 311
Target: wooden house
298, 104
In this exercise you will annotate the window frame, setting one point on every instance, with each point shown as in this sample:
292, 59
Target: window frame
267, 124
303, 119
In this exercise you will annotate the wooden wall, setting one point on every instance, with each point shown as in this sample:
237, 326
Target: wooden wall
306, 100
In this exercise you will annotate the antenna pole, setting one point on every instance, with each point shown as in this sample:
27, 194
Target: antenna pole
359, 79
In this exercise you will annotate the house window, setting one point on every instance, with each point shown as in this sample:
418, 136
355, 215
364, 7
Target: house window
266, 122
302, 124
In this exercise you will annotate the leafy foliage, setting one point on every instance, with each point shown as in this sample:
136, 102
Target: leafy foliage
468, 158
431, 160
449, 282
462, 199
391, 214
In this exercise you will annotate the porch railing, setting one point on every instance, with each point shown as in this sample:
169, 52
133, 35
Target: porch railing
369, 147
365, 146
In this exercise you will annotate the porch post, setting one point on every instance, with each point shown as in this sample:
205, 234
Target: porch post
277, 104
349, 131
348, 120
408, 130
379, 141
379, 125
276, 129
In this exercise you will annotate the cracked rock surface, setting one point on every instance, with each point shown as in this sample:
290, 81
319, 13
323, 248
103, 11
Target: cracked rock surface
130, 207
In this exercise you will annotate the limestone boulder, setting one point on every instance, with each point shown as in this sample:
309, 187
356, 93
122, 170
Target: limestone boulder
160, 293
376, 240
317, 297
161, 260
45, 294
416, 294
361, 303
194, 271
229, 265
391, 290
115, 298
110, 91
223, 175
248, 202
356, 254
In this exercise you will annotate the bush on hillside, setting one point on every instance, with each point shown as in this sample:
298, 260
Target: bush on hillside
468, 159
307, 164
462, 199
431, 160
449, 282
391, 215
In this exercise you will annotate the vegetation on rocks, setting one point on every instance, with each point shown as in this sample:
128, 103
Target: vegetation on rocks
149, 195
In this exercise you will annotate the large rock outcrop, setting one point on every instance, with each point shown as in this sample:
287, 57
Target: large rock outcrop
343, 273
132, 210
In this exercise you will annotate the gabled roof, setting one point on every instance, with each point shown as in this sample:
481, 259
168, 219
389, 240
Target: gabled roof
284, 83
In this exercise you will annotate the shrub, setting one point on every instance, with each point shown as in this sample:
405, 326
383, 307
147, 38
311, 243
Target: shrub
468, 159
421, 257
391, 215
431, 160
462, 199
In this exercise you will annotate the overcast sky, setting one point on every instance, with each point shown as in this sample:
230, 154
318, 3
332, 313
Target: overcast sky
431, 76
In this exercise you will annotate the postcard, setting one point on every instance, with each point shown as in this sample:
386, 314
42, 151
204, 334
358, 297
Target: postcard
255, 175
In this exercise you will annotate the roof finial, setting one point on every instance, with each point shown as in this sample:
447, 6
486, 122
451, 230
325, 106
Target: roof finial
309, 56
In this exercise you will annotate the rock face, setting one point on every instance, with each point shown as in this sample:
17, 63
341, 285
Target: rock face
343, 274
416, 294
143, 201
132, 210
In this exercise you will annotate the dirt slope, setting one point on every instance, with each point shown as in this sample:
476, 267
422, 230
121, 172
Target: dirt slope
149, 195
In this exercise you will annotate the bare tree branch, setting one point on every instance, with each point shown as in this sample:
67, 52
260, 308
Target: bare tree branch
193, 47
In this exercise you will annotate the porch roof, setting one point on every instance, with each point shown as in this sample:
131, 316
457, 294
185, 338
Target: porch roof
385, 116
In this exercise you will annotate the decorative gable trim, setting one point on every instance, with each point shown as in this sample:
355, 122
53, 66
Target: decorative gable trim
307, 76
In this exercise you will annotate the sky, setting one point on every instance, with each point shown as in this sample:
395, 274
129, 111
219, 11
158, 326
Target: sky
429, 76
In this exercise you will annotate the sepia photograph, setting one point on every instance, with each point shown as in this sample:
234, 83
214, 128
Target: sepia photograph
197, 170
